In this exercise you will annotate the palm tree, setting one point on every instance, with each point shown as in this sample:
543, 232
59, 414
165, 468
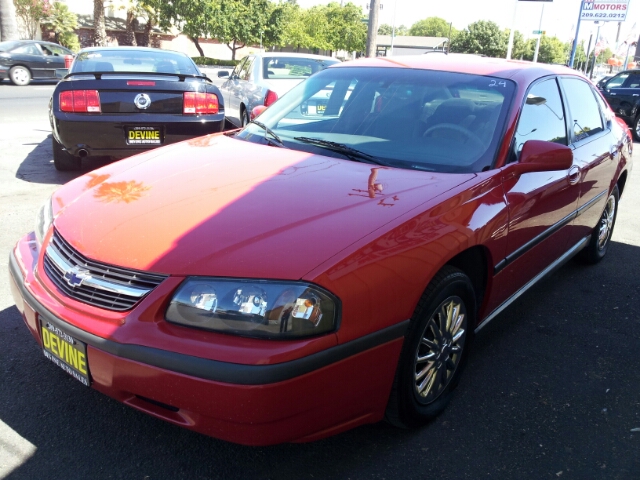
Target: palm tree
8, 26
100, 33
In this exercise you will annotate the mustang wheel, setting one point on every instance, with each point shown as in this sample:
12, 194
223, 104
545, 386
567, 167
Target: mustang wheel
62, 159
601, 235
20, 75
434, 351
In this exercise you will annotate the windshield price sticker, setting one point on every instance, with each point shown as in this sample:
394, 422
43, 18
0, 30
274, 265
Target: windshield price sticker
65, 351
605, 10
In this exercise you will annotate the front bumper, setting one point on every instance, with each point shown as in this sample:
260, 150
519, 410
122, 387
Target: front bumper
259, 404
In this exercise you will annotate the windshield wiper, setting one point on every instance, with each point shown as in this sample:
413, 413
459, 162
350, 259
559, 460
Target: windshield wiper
346, 150
278, 142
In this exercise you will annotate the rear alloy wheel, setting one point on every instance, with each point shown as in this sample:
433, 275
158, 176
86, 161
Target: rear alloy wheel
601, 235
63, 160
20, 75
434, 351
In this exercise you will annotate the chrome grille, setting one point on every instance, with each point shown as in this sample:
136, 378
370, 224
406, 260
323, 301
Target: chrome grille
94, 283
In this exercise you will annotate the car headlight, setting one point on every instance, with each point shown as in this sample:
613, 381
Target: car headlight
254, 308
44, 220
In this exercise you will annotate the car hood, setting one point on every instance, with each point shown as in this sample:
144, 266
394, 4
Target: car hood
225, 207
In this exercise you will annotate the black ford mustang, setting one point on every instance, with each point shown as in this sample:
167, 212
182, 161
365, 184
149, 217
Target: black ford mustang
118, 101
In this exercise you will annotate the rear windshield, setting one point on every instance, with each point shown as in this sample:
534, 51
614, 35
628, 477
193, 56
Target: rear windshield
293, 67
132, 60
6, 46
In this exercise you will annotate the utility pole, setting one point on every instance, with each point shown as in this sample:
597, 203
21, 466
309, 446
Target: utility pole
535, 54
372, 33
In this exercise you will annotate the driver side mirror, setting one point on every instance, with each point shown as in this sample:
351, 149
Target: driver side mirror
541, 156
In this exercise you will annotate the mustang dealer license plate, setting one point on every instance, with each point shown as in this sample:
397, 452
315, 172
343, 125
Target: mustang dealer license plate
65, 351
143, 135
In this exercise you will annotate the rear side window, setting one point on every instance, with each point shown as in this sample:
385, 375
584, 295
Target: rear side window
585, 119
633, 81
26, 50
542, 116
293, 67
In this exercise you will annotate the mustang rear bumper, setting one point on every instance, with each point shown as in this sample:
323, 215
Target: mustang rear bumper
106, 135
301, 400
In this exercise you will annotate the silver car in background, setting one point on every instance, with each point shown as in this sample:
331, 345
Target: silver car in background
262, 78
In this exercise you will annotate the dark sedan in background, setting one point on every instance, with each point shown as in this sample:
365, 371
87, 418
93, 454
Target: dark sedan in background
622, 91
118, 101
23, 60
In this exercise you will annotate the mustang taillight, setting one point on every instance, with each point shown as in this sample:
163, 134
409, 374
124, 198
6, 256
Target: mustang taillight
141, 83
270, 98
80, 101
200, 103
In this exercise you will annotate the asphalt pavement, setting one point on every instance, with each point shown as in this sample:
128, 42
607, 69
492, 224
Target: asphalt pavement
552, 389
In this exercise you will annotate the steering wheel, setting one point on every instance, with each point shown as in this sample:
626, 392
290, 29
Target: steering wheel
457, 128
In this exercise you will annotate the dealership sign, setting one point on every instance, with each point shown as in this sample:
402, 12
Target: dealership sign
604, 10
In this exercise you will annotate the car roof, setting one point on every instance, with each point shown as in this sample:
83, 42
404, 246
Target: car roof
517, 70
135, 49
295, 55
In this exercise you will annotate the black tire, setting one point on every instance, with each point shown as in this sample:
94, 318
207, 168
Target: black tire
635, 128
20, 75
63, 160
244, 117
410, 406
601, 236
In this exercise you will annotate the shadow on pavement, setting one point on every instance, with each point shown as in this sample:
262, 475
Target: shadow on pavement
37, 167
552, 386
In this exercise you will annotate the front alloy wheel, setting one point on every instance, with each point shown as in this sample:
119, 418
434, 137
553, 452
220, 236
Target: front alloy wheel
440, 350
435, 349
601, 234
20, 75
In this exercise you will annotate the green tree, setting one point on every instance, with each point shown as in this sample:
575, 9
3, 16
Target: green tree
63, 23
431, 27
386, 29
31, 12
481, 37
519, 48
190, 16
346, 30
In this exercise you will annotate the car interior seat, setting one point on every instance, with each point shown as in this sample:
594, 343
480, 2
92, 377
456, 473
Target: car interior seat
104, 67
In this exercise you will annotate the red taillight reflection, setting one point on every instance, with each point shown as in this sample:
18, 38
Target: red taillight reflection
141, 83
80, 101
270, 98
200, 103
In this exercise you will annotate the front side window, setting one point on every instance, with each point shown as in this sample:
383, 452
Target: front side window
417, 119
585, 119
632, 81
617, 81
542, 116
245, 73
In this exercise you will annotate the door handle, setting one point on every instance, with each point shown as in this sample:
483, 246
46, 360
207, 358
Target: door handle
636, 94
612, 93
574, 175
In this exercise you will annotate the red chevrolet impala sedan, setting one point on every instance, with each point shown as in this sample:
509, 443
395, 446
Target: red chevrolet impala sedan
329, 265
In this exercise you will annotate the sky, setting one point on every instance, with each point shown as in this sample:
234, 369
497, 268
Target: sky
560, 16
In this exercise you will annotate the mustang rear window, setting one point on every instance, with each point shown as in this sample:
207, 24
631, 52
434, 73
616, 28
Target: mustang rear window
141, 61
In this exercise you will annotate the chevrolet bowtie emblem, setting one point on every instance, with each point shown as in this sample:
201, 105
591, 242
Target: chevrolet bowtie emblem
76, 276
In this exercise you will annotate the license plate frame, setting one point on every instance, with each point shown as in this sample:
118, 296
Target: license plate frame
321, 108
143, 135
73, 358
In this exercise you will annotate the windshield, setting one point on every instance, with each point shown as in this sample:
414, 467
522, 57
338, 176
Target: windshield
421, 119
134, 60
293, 67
